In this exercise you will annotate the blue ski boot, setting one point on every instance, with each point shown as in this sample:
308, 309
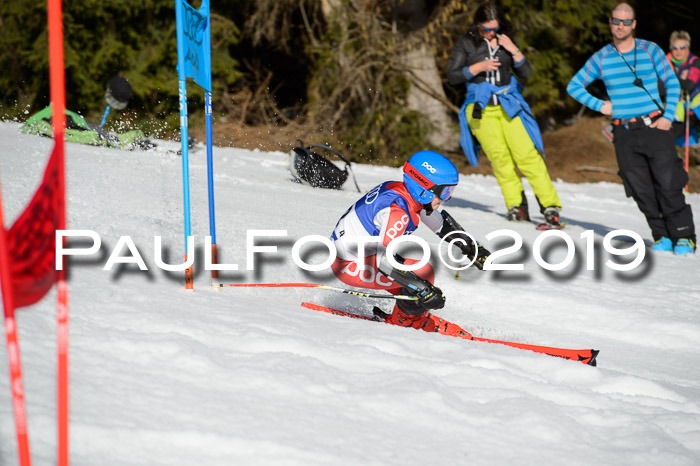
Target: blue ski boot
663, 244
684, 247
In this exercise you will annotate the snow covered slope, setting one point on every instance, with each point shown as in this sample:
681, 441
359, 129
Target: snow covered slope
247, 376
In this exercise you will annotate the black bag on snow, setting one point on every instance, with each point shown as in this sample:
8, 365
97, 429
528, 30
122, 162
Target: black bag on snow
311, 168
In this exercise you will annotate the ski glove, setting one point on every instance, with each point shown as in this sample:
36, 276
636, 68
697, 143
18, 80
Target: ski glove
469, 248
429, 295
481, 257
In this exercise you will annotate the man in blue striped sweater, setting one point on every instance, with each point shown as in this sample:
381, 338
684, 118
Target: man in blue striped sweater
651, 171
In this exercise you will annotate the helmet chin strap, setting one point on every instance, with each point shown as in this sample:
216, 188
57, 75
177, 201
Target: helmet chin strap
428, 208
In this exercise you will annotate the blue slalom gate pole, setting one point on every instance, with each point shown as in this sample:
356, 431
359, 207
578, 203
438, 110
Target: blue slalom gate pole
210, 183
189, 280
194, 61
104, 117
182, 83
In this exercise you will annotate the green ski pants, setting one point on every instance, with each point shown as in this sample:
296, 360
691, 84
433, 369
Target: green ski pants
507, 144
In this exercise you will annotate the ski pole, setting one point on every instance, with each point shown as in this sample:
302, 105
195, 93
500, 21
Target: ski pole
104, 117
687, 137
320, 287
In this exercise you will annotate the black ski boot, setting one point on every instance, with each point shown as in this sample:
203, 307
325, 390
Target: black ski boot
517, 214
551, 219
379, 315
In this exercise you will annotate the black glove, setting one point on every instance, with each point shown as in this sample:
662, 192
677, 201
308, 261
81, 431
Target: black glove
481, 257
431, 297
468, 247
469, 250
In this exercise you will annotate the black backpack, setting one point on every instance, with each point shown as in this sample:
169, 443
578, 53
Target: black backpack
309, 167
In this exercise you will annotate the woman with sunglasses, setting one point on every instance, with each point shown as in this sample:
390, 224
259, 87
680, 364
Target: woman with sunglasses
687, 68
495, 112
389, 211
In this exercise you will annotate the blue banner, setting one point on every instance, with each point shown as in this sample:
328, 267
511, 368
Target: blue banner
194, 42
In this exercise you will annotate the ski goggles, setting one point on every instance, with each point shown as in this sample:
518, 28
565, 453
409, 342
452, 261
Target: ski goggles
625, 22
443, 191
679, 47
496, 29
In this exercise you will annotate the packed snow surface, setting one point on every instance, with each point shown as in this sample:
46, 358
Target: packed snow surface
162, 376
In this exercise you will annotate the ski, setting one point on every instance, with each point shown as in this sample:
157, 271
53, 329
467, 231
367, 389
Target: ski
550, 226
543, 226
586, 356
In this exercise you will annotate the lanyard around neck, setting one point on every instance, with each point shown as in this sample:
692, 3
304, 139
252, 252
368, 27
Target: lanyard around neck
633, 69
638, 82
494, 77
492, 51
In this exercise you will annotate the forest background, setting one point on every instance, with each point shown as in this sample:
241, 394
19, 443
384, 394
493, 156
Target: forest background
366, 76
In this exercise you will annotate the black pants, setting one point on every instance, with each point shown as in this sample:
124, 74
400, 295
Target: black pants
678, 127
654, 177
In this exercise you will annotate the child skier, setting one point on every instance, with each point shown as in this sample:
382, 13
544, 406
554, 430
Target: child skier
393, 209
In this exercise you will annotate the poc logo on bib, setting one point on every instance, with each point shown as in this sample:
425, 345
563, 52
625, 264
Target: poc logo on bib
398, 227
429, 167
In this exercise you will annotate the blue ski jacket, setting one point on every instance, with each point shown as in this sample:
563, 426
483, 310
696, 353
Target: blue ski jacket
512, 102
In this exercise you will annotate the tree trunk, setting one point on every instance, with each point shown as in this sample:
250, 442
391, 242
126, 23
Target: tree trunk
424, 94
329, 6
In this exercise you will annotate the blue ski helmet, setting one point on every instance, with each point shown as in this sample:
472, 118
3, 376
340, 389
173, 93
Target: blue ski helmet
427, 174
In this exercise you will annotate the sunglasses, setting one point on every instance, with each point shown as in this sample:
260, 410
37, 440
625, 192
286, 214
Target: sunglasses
617, 21
679, 47
443, 191
496, 29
